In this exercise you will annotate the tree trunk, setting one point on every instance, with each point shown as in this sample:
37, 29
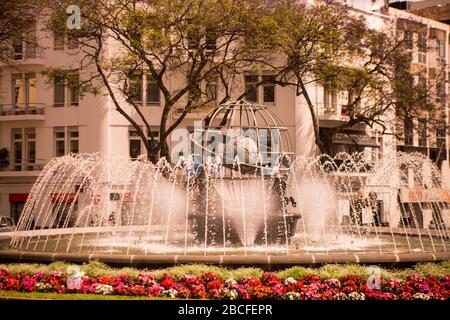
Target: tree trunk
314, 118
164, 151
152, 155
326, 137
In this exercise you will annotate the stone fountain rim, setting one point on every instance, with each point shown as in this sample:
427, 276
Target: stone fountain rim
265, 261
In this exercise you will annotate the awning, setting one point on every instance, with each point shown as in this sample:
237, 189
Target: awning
424, 195
64, 197
18, 197
363, 139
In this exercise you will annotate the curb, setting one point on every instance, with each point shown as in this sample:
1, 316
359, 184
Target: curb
265, 261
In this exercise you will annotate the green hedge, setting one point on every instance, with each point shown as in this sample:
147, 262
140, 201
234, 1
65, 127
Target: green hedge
95, 268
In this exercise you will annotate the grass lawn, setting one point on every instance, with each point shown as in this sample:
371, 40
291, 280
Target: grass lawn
68, 296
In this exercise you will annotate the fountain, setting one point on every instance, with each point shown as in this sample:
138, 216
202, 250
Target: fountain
239, 198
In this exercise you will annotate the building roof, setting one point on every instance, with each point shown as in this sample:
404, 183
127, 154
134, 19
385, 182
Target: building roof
438, 10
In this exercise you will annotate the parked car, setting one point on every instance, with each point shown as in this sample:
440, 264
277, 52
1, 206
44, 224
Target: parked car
7, 224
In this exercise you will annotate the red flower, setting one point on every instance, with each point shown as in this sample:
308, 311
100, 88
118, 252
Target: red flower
167, 281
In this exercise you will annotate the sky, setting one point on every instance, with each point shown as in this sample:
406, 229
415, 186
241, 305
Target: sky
367, 4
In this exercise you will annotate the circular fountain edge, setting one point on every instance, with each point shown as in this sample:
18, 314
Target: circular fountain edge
264, 261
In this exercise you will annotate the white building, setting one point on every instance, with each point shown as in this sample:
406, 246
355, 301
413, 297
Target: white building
41, 120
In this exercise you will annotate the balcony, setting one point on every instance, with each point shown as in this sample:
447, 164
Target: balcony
23, 56
23, 168
332, 115
196, 114
30, 111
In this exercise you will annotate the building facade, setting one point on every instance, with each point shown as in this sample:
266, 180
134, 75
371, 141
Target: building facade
41, 120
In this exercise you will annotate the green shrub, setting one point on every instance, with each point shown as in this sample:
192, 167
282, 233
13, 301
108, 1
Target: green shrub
295, 272
96, 268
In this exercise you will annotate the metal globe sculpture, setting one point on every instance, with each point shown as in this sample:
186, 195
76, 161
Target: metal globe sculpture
247, 133
250, 139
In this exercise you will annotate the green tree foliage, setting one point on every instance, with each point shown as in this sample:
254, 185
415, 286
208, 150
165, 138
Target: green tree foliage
298, 42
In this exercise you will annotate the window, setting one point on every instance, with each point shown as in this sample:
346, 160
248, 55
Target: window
60, 143
422, 58
422, 49
440, 90
66, 93
211, 91
135, 88
422, 43
30, 41
73, 139
66, 141
24, 43
24, 148
440, 135
74, 92
441, 48
19, 91
422, 132
24, 90
211, 40
409, 134
422, 86
30, 148
155, 134
17, 48
193, 39
153, 93
138, 85
268, 89
72, 41
252, 92
16, 210
408, 37
61, 39
59, 95
329, 99
58, 40
135, 143
17, 146
422, 82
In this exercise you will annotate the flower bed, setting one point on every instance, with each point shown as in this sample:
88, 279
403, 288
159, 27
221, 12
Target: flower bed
211, 286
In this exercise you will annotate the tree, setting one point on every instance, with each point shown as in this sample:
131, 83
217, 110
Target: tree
298, 42
197, 40
328, 44
16, 19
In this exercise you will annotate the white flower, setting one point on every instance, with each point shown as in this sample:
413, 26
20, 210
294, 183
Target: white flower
172, 293
293, 295
230, 294
357, 296
421, 296
341, 296
43, 286
289, 281
103, 289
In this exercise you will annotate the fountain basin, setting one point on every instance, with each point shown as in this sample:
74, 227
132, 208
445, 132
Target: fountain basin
268, 262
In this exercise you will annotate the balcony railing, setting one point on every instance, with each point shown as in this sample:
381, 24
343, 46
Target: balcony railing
26, 165
22, 109
332, 110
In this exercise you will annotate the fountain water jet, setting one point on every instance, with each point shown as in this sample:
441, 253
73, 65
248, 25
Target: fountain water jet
225, 204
